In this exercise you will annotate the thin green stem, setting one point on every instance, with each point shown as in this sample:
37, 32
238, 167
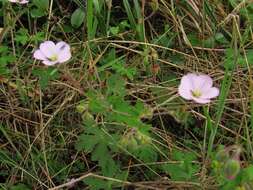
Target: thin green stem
226, 83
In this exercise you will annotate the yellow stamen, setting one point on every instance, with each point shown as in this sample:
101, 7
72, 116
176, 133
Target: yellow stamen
196, 93
53, 58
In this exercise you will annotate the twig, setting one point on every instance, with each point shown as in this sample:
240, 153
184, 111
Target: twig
101, 177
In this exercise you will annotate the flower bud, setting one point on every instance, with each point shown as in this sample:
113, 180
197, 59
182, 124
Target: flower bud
129, 143
142, 138
231, 169
153, 54
240, 188
222, 156
82, 106
154, 5
147, 113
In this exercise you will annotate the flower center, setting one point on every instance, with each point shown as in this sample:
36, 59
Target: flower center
53, 58
196, 93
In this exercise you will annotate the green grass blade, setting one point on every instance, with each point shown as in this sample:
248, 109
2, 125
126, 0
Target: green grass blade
140, 28
129, 14
90, 20
226, 84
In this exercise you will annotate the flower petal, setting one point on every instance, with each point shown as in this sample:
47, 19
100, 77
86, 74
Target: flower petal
39, 55
48, 48
185, 87
62, 46
64, 56
202, 82
49, 63
210, 93
23, 2
201, 100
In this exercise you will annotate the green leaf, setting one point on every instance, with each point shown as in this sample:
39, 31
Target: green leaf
146, 153
114, 30
121, 69
39, 36
87, 142
185, 169
247, 174
97, 103
67, 28
77, 18
116, 85
100, 145
124, 25
37, 13
5, 58
22, 36
41, 4
104, 157
19, 186
45, 75
176, 172
219, 37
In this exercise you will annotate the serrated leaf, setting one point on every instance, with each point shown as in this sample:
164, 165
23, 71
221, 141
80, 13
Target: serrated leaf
116, 85
176, 172
146, 153
5, 58
22, 36
185, 169
87, 142
98, 105
39, 36
45, 75
102, 154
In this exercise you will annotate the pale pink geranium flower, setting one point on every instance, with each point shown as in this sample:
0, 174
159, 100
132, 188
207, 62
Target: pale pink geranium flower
198, 88
19, 1
51, 53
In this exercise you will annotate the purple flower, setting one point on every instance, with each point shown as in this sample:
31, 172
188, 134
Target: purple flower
197, 88
19, 1
51, 53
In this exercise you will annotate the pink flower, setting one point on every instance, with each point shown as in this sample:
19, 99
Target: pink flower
197, 88
51, 53
19, 1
